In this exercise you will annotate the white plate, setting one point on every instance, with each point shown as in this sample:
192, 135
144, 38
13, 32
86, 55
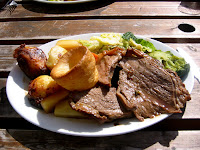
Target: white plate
64, 2
16, 89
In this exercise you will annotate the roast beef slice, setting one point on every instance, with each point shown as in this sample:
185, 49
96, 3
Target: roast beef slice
148, 90
106, 67
107, 63
100, 103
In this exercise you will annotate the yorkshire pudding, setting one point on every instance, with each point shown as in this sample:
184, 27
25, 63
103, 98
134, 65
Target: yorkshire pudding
76, 70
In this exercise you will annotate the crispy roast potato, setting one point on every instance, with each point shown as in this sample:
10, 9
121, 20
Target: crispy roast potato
31, 60
42, 87
63, 109
76, 70
55, 54
49, 103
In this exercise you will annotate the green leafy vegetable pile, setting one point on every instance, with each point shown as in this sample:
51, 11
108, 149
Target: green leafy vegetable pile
168, 60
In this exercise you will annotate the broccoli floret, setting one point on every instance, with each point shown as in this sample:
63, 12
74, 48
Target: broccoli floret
183, 71
160, 55
171, 61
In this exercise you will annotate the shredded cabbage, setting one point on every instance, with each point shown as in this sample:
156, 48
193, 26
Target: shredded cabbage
93, 45
109, 39
105, 41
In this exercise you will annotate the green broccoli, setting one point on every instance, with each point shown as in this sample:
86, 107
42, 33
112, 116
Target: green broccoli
171, 61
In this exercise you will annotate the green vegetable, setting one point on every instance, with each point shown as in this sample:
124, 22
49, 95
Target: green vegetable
132, 43
93, 45
106, 41
140, 44
128, 35
171, 61
147, 46
183, 71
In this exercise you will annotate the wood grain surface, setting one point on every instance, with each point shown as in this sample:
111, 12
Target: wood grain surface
100, 9
166, 29
138, 140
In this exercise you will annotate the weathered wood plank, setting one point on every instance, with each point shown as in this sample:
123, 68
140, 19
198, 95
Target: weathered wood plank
42, 140
8, 142
101, 9
54, 29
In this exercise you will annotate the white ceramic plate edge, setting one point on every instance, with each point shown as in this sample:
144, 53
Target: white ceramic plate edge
64, 2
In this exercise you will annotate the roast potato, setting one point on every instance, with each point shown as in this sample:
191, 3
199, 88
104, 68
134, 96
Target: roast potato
48, 103
76, 70
42, 87
55, 54
63, 109
68, 44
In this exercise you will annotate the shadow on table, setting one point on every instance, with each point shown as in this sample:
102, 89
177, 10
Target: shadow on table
66, 8
43, 139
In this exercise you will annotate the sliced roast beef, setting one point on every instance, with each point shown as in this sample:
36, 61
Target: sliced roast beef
147, 89
182, 94
107, 64
101, 103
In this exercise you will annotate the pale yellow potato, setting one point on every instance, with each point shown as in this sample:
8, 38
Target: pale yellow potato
76, 70
55, 54
68, 44
63, 109
49, 103
42, 87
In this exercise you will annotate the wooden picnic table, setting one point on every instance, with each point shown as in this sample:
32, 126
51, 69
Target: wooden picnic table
37, 23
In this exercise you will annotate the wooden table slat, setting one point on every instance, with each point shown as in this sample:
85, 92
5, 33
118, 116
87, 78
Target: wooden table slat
54, 29
137, 140
100, 9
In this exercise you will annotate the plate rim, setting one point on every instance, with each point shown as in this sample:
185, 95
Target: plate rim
64, 2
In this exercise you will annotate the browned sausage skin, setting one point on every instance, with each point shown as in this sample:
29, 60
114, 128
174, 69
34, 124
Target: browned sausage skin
31, 60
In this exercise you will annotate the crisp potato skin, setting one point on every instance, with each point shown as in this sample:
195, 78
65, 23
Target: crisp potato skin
31, 60
42, 87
